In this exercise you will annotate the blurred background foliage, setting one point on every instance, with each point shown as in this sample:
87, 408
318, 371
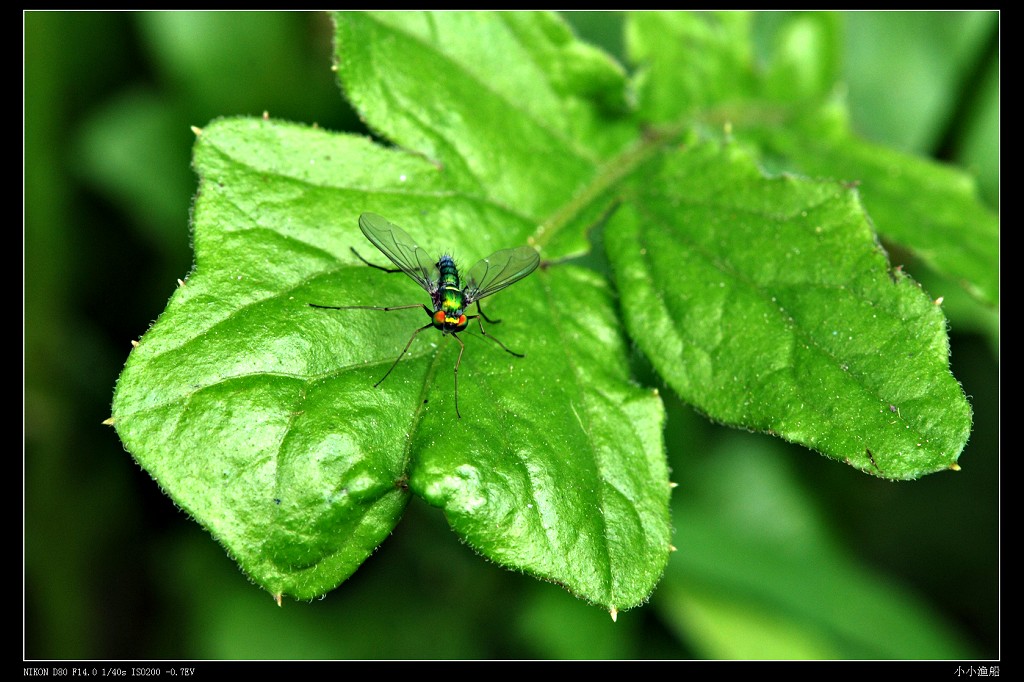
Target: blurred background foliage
782, 553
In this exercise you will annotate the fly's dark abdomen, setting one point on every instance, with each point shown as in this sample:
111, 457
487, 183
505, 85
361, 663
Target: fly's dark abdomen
449, 274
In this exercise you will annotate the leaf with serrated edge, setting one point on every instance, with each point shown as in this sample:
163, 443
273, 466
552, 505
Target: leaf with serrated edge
767, 304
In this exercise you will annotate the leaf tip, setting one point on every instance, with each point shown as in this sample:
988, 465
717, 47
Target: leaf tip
954, 466
109, 421
135, 344
614, 612
266, 115
277, 598
673, 548
673, 485
181, 283
939, 300
197, 131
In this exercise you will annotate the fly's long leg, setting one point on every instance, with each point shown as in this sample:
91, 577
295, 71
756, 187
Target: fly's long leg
366, 307
488, 336
386, 309
483, 315
379, 267
400, 355
457, 363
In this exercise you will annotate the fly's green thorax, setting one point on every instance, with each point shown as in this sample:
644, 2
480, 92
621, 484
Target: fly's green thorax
450, 297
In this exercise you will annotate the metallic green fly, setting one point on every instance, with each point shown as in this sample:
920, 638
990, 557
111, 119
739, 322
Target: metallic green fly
450, 294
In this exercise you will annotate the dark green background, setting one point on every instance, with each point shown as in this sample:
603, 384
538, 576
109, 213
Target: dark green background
113, 570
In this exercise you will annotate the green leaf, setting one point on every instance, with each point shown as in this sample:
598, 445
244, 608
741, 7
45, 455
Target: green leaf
566, 477
764, 302
932, 209
767, 304
226, 402
502, 101
301, 467
696, 68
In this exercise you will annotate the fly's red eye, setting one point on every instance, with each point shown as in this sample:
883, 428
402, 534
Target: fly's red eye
462, 320
439, 317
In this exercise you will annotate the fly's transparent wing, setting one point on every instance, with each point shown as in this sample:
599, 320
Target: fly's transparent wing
394, 243
499, 270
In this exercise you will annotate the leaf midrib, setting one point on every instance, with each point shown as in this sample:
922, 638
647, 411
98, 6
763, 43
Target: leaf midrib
609, 174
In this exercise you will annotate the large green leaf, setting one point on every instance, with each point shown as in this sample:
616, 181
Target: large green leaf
300, 466
226, 401
764, 302
519, 99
